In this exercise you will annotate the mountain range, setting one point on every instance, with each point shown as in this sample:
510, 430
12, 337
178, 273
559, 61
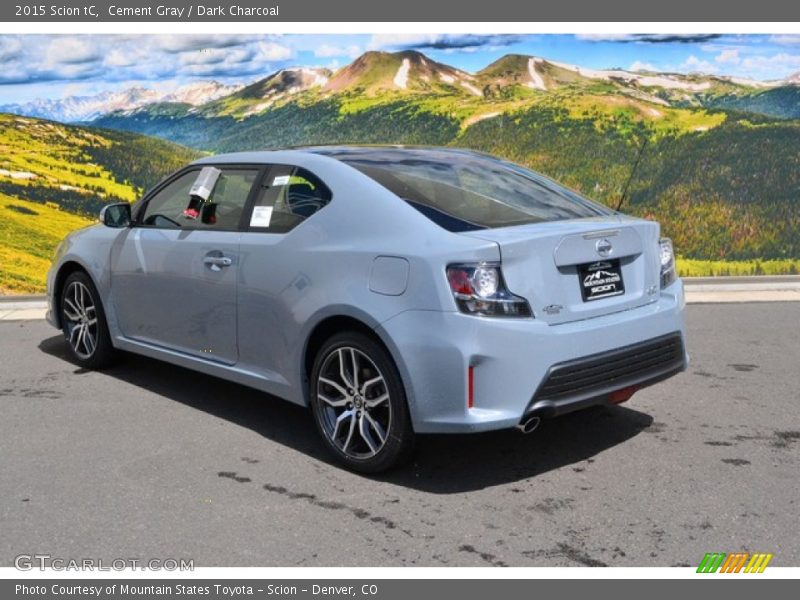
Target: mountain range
715, 159
718, 157
74, 109
411, 71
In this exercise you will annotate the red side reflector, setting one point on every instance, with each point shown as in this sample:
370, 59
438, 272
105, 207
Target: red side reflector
470, 387
623, 395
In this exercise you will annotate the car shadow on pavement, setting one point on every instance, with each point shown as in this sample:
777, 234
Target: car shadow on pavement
443, 464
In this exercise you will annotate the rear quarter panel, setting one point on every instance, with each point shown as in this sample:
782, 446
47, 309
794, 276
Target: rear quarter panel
289, 283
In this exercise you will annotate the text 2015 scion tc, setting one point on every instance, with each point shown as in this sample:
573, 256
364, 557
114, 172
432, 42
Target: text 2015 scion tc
393, 290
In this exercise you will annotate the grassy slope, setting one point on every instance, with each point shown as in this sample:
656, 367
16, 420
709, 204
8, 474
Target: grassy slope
57, 156
724, 185
782, 103
29, 233
688, 267
54, 178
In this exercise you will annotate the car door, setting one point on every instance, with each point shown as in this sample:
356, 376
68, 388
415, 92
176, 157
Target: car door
173, 278
274, 285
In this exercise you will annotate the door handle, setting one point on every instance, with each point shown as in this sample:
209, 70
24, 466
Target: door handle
215, 263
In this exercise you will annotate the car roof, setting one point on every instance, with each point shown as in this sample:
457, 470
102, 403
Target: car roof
255, 157
339, 152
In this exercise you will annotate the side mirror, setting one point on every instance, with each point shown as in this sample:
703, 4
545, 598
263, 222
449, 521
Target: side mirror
116, 215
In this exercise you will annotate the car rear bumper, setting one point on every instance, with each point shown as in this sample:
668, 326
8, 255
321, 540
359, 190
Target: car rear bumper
522, 367
598, 379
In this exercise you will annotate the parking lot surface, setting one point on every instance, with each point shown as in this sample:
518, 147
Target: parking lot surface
148, 460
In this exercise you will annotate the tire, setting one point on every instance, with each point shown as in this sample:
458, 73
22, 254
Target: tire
83, 322
363, 421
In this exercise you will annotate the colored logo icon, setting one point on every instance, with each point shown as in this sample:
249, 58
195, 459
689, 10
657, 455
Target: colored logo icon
737, 562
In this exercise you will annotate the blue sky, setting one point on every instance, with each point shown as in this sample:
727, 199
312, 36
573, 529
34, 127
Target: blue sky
55, 66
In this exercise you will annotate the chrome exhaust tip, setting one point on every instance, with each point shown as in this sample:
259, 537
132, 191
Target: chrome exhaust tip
529, 425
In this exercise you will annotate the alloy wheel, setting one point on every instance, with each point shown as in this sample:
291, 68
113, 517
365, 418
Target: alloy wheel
81, 319
354, 403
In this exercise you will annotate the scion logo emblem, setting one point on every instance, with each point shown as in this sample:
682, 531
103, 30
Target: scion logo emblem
603, 247
552, 309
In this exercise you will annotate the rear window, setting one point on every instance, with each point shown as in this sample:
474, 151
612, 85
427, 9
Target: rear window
464, 191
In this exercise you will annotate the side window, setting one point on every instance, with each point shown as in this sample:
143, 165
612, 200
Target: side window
163, 209
288, 196
223, 209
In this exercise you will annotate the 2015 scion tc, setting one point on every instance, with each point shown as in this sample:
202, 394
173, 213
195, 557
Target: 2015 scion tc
393, 290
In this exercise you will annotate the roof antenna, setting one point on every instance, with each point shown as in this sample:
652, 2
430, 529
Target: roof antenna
630, 177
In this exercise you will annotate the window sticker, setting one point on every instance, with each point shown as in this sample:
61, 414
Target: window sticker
282, 180
203, 186
261, 217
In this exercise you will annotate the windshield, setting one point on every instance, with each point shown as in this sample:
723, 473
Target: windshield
463, 191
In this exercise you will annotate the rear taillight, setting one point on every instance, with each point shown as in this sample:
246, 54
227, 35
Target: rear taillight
479, 289
667, 259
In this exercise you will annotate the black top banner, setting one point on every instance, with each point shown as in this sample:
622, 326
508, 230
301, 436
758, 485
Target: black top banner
406, 11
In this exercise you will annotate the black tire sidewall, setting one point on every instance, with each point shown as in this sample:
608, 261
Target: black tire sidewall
104, 352
400, 442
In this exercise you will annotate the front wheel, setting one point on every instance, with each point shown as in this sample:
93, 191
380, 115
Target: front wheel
359, 404
84, 322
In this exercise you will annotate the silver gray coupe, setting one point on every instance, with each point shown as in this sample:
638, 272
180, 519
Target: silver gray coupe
393, 290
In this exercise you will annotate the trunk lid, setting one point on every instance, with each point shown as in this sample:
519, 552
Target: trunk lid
541, 262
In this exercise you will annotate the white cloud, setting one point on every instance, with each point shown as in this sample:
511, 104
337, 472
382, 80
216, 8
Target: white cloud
71, 51
392, 40
642, 66
128, 55
650, 38
76, 89
77, 70
697, 65
440, 41
268, 51
772, 67
120, 58
184, 42
10, 48
785, 40
117, 58
605, 37
213, 56
728, 56
328, 51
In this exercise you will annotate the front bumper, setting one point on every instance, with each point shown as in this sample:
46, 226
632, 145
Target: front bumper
52, 312
50, 315
512, 360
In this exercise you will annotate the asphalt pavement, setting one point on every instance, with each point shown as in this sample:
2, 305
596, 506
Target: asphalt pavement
147, 460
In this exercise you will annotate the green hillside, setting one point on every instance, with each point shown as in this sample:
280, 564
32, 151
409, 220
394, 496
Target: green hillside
55, 178
29, 233
719, 168
725, 185
782, 102
731, 192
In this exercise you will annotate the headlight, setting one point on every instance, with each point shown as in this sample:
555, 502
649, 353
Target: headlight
479, 289
667, 255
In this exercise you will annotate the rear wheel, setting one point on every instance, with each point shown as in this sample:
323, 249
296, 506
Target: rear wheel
359, 404
83, 322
